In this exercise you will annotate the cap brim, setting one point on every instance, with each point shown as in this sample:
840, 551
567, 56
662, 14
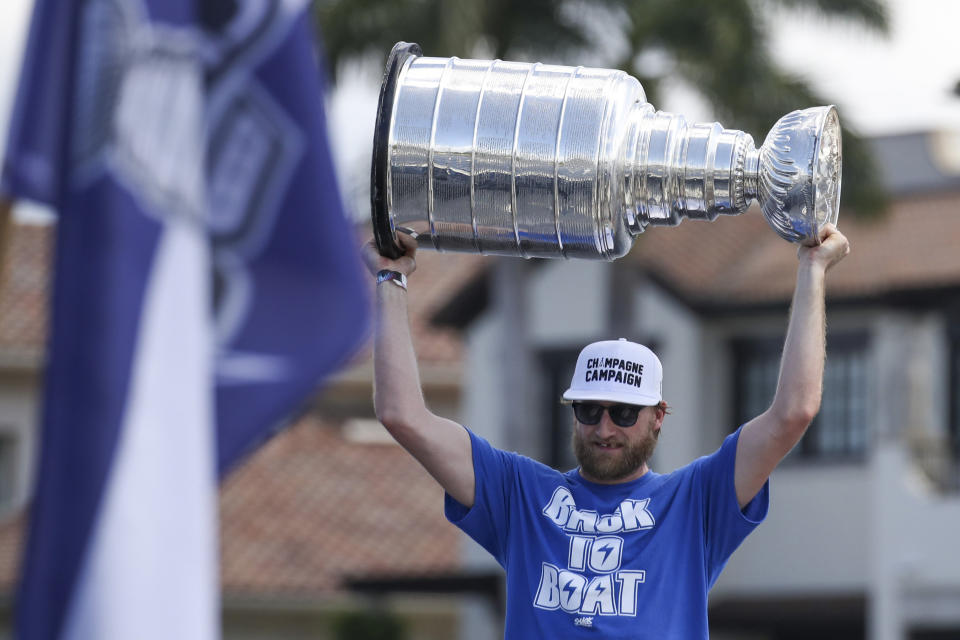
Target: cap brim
638, 399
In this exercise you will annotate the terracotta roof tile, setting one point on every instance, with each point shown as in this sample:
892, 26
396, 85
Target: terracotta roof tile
23, 289
25, 276
310, 509
740, 260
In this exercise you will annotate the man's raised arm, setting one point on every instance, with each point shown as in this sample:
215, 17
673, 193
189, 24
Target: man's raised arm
768, 438
440, 445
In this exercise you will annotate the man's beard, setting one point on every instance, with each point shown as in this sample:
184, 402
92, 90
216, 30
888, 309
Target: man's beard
612, 467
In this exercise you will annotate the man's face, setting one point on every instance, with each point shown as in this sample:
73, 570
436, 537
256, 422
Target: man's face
608, 454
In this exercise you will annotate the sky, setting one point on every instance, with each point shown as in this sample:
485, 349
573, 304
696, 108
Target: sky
882, 85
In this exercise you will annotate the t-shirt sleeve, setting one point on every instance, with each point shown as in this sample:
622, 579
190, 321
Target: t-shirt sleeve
725, 524
487, 520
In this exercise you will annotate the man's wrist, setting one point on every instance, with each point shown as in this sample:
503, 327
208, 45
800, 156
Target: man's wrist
389, 275
813, 265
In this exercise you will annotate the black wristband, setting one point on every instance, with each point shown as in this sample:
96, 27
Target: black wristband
395, 277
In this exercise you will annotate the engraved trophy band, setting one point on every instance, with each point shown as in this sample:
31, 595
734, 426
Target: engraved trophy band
536, 160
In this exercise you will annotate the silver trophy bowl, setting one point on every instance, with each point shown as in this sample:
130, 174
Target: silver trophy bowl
535, 160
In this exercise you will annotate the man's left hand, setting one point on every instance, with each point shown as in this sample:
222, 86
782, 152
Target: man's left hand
833, 247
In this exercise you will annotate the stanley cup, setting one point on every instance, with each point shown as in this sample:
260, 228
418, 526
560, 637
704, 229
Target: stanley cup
537, 160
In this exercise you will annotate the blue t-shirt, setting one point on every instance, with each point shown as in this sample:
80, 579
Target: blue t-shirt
583, 560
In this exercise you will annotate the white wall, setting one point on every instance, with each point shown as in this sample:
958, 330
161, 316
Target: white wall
815, 540
678, 338
568, 302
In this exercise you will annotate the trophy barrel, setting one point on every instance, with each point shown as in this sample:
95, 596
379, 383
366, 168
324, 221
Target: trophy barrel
502, 158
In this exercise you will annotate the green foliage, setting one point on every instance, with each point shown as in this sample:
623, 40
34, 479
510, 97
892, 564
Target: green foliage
369, 625
502, 28
719, 48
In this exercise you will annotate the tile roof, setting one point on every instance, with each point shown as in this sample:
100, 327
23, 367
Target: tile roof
739, 260
26, 274
311, 509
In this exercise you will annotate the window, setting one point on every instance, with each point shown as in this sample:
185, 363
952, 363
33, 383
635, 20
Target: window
558, 366
840, 429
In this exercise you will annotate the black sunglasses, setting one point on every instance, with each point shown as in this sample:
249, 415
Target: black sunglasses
622, 415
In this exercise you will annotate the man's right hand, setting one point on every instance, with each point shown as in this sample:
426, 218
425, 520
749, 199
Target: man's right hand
405, 264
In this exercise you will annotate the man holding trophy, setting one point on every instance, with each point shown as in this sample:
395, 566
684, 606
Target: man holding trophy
572, 162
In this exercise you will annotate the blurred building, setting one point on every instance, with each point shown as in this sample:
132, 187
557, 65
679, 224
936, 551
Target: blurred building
330, 518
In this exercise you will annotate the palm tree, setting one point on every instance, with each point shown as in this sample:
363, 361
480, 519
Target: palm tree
719, 48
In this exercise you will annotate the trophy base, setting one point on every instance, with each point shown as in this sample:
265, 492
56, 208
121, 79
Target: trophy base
383, 231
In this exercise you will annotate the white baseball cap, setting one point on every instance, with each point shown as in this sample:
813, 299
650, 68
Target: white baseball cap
617, 371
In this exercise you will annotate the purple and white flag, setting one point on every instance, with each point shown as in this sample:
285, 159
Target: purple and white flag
206, 280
